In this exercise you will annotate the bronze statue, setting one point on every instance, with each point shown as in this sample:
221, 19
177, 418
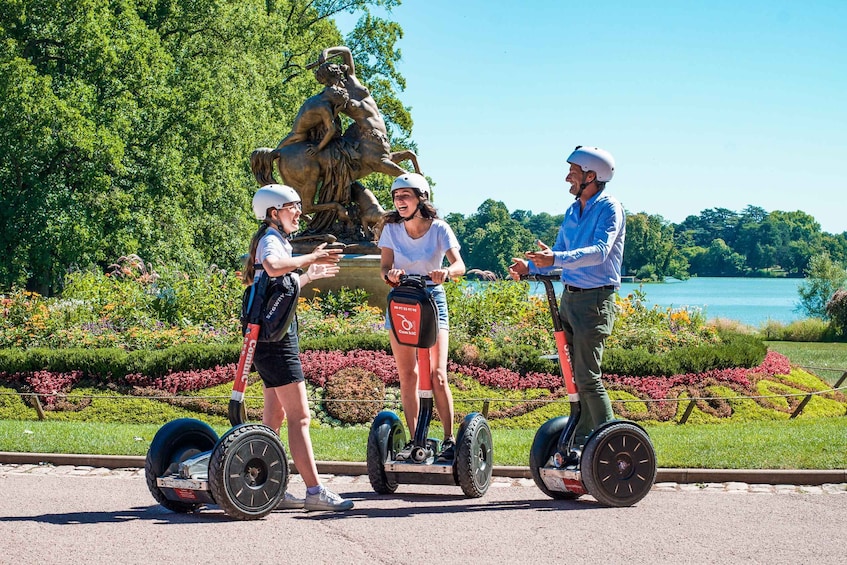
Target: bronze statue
323, 164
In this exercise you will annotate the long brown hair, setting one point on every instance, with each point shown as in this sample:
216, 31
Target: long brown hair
250, 263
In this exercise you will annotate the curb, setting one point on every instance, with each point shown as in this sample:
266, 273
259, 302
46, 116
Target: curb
753, 476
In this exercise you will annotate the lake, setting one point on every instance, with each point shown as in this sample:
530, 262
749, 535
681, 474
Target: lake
748, 300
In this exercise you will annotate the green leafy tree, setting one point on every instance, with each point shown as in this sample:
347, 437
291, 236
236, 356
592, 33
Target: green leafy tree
543, 226
711, 224
491, 237
718, 260
836, 309
126, 125
650, 250
824, 278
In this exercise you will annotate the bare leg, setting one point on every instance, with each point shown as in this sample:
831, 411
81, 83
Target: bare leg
292, 398
273, 413
440, 386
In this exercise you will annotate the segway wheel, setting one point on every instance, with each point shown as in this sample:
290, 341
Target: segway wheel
619, 464
543, 447
474, 456
248, 472
385, 439
175, 442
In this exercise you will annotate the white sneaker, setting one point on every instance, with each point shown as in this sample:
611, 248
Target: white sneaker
326, 500
290, 502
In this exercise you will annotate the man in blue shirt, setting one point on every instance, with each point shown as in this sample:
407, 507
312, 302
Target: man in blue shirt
589, 250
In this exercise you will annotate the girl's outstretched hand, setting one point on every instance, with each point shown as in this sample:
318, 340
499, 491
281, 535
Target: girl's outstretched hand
321, 271
324, 256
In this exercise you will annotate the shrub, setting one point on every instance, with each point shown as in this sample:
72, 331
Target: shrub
656, 329
806, 330
734, 350
521, 358
354, 395
370, 341
836, 307
497, 313
343, 302
347, 320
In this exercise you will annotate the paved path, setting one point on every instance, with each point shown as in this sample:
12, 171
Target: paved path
71, 514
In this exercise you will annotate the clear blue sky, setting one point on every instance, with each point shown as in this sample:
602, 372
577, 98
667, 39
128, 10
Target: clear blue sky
703, 104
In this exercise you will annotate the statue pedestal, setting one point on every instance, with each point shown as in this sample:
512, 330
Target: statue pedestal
357, 271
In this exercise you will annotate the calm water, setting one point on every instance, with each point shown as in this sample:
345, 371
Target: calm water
749, 301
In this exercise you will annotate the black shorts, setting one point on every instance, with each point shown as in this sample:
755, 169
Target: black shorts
278, 362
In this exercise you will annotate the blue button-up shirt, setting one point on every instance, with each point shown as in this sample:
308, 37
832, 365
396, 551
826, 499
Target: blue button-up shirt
589, 246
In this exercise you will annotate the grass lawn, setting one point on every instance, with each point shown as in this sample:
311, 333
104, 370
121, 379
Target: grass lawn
826, 360
804, 443
775, 442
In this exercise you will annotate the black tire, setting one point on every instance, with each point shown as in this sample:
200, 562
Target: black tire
237, 412
175, 442
385, 439
248, 472
474, 456
619, 464
543, 447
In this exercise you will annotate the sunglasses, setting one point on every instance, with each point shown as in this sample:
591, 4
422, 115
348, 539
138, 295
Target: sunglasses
293, 206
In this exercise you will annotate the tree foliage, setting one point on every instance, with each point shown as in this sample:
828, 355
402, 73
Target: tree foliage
759, 243
824, 278
126, 125
490, 237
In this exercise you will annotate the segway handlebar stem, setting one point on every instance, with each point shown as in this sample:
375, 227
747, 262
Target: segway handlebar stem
565, 366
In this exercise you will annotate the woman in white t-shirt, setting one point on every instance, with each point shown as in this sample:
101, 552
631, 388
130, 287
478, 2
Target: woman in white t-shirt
414, 241
278, 363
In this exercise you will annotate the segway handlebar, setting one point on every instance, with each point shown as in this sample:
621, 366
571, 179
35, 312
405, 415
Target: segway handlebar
409, 279
552, 276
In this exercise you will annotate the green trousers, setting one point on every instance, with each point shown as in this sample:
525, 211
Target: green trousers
588, 317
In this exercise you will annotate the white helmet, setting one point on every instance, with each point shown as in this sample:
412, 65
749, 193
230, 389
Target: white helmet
414, 181
272, 196
594, 159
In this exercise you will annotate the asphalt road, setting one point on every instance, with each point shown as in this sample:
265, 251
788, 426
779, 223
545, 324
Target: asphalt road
71, 514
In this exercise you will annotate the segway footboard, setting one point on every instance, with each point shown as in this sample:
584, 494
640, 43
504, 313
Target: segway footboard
559, 483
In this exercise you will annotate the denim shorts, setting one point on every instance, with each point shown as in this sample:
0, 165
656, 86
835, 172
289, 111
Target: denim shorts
440, 298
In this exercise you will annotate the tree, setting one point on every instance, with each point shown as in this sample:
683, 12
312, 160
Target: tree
543, 226
800, 239
718, 260
711, 224
650, 250
824, 278
126, 125
490, 238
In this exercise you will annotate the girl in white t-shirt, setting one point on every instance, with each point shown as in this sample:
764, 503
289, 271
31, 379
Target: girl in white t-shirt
414, 241
278, 363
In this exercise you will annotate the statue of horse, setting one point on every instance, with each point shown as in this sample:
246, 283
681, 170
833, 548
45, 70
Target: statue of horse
322, 165
324, 180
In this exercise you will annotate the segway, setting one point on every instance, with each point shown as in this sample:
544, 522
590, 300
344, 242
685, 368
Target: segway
618, 464
414, 321
245, 472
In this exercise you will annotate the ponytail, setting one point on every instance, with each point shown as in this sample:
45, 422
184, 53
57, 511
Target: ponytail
250, 267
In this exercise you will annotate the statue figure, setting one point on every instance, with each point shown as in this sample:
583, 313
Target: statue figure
323, 164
